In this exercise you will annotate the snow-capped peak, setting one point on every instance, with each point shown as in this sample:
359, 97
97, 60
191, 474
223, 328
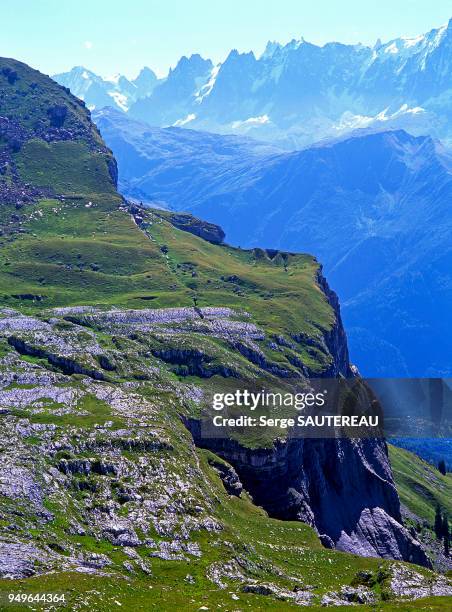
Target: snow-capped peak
412, 42
115, 90
187, 119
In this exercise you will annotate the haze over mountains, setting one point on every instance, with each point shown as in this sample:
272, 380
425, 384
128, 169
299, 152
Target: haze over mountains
374, 208
372, 201
297, 93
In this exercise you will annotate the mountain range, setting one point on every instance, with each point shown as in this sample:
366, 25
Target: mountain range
373, 207
116, 91
298, 93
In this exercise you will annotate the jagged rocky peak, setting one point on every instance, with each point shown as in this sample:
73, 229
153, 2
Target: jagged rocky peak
116, 91
146, 79
193, 63
270, 48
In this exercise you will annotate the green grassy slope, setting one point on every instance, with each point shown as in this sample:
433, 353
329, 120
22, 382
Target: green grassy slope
421, 486
67, 244
67, 167
86, 251
28, 94
73, 242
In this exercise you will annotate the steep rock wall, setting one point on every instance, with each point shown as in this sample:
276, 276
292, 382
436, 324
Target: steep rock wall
343, 487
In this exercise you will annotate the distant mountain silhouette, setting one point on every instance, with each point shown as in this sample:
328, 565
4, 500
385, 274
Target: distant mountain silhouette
299, 93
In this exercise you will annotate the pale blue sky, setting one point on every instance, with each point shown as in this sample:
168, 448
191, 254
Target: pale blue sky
110, 36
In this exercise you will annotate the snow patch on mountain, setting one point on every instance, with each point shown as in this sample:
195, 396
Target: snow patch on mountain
251, 121
113, 79
392, 48
411, 42
207, 87
187, 119
350, 121
120, 99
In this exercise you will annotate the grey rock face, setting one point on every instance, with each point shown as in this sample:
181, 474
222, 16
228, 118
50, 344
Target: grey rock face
335, 339
349, 596
378, 532
171, 325
229, 477
18, 482
121, 535
406, 582
145, 316
95, 560
18, 560
185, 222
342, 487
299, 597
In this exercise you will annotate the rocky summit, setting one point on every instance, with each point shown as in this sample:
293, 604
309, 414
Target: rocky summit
116, 323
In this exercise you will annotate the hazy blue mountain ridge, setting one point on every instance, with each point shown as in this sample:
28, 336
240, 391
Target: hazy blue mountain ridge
373, 207
299, 93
